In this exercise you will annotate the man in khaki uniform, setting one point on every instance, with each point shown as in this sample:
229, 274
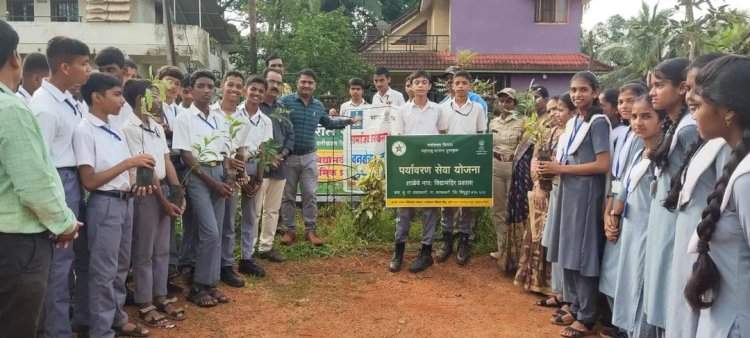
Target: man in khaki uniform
507, 128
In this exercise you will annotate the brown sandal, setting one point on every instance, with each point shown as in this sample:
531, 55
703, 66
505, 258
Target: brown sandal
153, 318
136, 331
171, 311
218, 295
549, 302
564, 319
571, 332
202, 298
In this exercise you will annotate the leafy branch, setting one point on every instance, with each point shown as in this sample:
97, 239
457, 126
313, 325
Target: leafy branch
371, 208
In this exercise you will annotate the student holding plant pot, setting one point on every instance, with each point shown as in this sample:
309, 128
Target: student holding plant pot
104, 165
152, 213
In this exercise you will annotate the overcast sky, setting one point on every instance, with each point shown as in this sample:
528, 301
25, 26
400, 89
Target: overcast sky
600, 10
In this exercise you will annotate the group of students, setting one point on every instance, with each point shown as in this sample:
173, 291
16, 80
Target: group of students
647, 229
133, 161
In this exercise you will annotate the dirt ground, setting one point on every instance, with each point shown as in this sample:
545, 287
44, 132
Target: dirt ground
357, 297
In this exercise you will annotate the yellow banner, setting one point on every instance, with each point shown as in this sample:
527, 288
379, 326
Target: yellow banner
437, 202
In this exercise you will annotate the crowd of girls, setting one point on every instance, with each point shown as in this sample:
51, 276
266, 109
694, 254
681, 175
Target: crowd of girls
648, 221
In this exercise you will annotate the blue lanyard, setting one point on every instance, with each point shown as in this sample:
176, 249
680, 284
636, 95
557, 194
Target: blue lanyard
209, 123
109, 131
455, 109
152, 131
576, 127
617, 160
75, 110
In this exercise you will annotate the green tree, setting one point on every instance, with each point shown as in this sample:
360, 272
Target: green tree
324, 42
644, 44
635, 45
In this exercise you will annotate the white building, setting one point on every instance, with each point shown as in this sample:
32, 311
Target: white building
201, 36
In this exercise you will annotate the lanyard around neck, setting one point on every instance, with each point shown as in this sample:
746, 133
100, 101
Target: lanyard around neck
75, 110
109, 131
209, 123
577, 126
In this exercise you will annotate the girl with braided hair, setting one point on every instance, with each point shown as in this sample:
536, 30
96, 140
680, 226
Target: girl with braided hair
690, 189
719, 285
668, 89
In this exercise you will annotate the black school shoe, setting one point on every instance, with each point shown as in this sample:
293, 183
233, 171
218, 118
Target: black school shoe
423, 261
464, 249
231, 278
250, 268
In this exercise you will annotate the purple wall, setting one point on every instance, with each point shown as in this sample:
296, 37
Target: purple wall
493, 26
556, 84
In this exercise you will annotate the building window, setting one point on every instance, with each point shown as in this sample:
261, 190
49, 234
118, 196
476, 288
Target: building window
551, 11
64, 10
20, 10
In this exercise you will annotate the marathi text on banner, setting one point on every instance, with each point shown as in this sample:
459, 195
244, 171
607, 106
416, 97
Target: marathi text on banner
439, 171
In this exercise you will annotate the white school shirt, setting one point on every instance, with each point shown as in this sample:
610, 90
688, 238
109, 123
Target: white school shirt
99, 145
466, 119
58, 118
121, 119
24, 95
238, 114
171, 111
147, 140
192, 127
256, 130
349, 106
392, 97
411, 120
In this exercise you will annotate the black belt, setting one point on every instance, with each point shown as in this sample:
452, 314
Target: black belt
302, 152
43, 235
68, 168
123, 195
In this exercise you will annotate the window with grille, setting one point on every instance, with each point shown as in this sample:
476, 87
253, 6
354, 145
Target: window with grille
20, 10
64, 10
551, 11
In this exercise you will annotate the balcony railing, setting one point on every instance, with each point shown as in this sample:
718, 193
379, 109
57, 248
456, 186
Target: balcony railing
29, 18
408, 43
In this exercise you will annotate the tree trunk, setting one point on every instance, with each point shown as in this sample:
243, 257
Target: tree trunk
171, 55
252, 20
692, 38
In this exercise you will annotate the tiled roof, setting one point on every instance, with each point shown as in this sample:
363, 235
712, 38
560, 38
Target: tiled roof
438, 61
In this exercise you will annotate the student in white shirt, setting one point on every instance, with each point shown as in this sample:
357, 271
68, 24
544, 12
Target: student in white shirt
385, 94
258, 129
151, 213
112, 60
206, 189
35, 69
172, 77
356, 89
104, 162
58, 116
232, 87
419, 117
466, 117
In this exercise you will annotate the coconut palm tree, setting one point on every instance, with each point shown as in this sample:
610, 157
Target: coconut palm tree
649, 39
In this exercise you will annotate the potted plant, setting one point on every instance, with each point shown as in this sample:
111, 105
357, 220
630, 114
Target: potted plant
230, 141
537, 131
150, 106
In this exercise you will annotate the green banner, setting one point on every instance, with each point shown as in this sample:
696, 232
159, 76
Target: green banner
331, 169
439, 171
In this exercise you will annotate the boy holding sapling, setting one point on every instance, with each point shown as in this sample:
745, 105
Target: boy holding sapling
152, 213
